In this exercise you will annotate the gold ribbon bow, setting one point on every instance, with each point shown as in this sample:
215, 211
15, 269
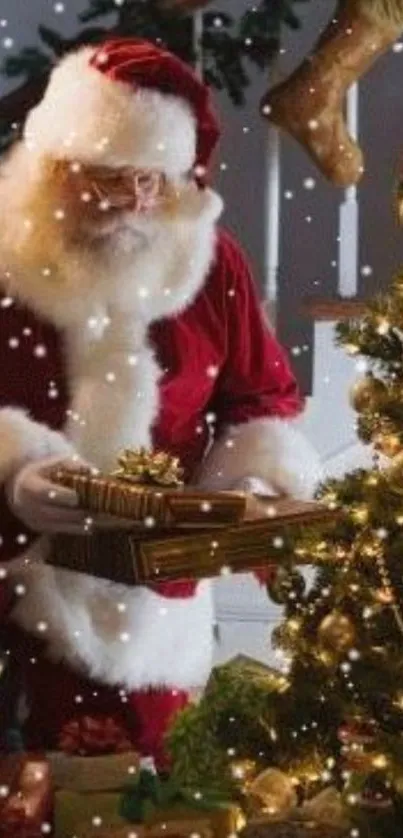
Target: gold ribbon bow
155, 469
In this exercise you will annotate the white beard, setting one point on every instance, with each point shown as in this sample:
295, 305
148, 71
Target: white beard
105, 283
151, 265
127, 232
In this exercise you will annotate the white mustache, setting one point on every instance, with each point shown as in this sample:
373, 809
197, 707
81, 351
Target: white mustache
117, 223
125, 234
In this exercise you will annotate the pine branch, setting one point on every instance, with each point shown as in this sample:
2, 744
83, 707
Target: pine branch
30, 62
230, 45
98, 8
53, 40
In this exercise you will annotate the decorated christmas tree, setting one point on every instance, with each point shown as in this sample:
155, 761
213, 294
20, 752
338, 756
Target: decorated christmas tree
332, 720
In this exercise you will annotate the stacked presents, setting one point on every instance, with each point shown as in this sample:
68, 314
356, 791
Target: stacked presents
178, 532
119, 795
111, 796
94, 786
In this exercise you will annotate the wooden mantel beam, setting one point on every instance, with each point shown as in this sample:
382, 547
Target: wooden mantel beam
333, 308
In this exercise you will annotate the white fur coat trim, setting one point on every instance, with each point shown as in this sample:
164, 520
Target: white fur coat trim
124, 636
114, 374
114, 397
88, 117
273, 450
22, 439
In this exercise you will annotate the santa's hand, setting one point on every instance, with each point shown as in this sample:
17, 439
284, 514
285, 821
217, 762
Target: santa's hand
254, 486
45, 507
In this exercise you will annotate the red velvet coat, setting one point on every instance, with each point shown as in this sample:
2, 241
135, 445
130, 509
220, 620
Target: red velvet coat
218, 356
220, 362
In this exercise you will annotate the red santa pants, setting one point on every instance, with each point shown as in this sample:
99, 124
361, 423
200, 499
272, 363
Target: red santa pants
57, 695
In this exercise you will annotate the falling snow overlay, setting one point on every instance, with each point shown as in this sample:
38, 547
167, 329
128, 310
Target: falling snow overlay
203, 344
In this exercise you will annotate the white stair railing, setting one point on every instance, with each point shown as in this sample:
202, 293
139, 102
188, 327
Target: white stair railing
198, 41
349, 215
272, 213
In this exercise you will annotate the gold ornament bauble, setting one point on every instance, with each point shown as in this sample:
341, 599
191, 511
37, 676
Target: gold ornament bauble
272, 793
367, 393
384, 595
337, 631
398, 784
397, 700
388, 444
327, 808
394, 474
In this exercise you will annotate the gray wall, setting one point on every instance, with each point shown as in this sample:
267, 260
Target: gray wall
307, 249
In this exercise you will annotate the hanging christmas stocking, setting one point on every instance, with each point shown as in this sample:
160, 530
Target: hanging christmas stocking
309, 104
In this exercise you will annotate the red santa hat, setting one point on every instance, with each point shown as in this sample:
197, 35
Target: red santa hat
125, 102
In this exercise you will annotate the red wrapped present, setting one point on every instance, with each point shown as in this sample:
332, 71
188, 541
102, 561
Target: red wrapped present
25, 796
93, 736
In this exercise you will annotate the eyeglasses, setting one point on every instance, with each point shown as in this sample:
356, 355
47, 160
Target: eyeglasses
139, 189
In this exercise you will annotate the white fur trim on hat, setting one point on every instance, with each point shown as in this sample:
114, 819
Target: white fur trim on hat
271, 449
88, 117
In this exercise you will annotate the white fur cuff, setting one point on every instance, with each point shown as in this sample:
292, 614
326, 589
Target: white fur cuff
21, 439
148, 641
273, 450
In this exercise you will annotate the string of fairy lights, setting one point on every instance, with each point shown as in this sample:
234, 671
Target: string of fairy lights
379, 338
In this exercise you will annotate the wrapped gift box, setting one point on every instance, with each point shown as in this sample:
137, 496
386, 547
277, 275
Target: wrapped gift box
93, 773
127, 558
26, 799
164, 506
187, 822
92, 815
293, 829
82, 814
170, 830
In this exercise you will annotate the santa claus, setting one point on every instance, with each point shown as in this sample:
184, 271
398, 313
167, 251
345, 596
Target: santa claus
128, 318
